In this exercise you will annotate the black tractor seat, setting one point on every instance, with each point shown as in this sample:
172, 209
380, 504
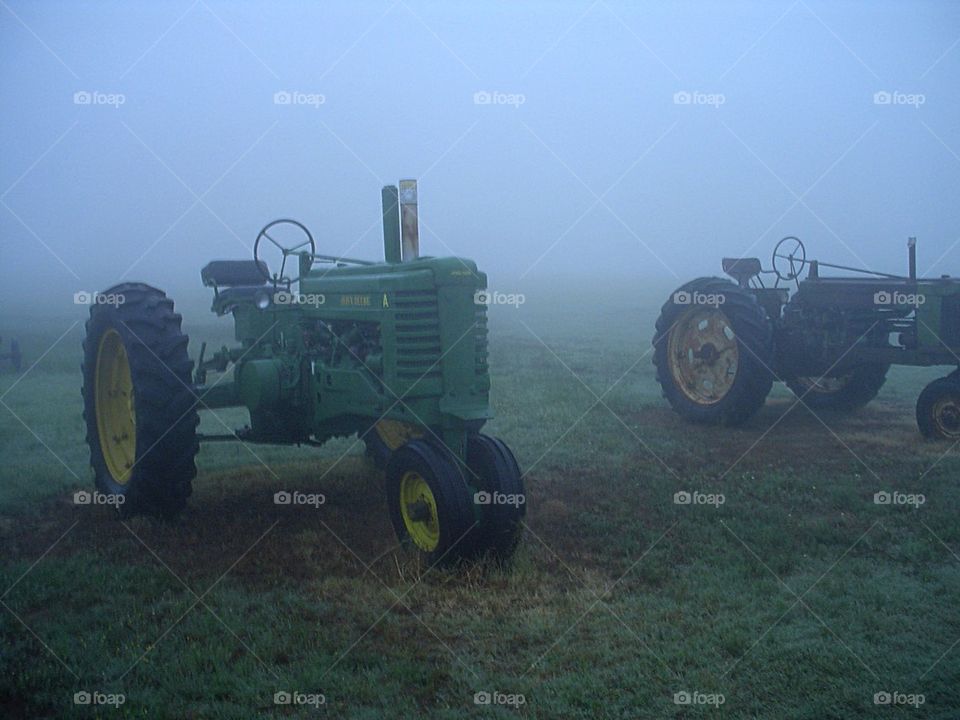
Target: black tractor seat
743, 270
233, 273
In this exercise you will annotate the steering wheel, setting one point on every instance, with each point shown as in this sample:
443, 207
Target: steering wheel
793, 251
264, 268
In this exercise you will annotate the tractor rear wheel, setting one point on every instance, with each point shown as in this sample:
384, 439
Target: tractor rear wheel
138, 401
713, 351
938, 409
845, 392
500, 495
430, 503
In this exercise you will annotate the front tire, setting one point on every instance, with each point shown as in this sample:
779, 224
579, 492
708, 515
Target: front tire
139, 405
938, 409
713, 351
430, 503
500, 495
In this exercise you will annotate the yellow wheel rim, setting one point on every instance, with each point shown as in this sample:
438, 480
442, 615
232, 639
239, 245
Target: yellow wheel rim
946, 415
704, 355
419, 510
394, 433
116, 416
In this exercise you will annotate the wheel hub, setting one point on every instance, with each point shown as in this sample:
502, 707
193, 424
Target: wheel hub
115, 407
704, 355
947, 414
419, 510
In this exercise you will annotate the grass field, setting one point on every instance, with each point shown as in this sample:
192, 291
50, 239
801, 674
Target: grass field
797, 597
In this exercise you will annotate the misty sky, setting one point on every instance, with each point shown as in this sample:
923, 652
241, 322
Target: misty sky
641, 139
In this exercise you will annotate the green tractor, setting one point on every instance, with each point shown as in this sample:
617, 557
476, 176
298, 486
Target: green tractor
394, 351
720, 345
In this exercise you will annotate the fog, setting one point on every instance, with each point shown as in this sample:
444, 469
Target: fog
553, 142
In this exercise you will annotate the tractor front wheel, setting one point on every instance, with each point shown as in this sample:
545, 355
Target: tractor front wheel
713, 351
500, 494
938, 409
430, 503
845, 392
138, 401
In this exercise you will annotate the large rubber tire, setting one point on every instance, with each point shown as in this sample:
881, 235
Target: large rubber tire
753, 336
451, 525
164, 404
938, 409
499, 483
855, 389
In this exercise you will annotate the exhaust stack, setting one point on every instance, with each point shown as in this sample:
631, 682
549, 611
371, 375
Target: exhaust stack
409, 224
391, 224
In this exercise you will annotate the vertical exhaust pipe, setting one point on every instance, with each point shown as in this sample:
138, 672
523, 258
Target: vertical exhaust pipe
912, 249
409, 224
391, 224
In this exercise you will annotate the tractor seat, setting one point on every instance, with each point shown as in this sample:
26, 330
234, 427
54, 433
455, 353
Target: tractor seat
233, 273
742, 269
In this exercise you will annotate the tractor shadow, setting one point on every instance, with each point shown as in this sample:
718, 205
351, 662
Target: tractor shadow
232, 522
786, 432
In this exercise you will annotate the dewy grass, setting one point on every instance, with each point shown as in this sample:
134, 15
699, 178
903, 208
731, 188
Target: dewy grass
797, 596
